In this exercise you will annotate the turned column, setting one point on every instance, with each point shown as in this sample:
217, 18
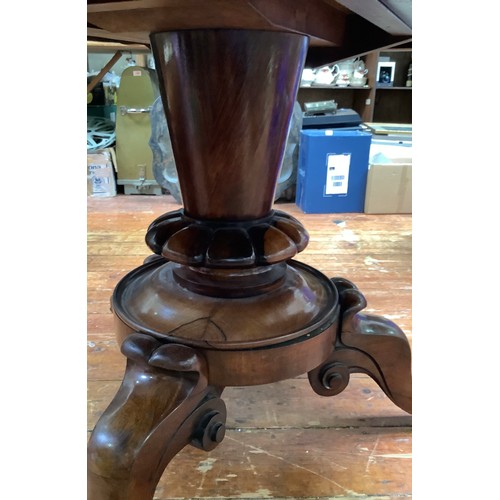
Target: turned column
222, 302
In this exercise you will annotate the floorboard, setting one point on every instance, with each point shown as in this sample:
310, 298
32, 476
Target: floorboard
283, 441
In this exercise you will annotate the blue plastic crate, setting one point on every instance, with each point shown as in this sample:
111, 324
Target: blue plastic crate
333, 169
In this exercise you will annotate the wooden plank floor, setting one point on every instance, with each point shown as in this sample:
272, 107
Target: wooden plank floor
283, 441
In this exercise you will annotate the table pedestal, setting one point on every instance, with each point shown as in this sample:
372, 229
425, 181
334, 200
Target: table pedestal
222, 302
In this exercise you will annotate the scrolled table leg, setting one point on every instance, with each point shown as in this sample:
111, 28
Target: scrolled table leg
368, 344
163, 404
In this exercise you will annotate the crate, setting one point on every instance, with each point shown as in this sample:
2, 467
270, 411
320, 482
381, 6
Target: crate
101, 180
333, 169
389, 182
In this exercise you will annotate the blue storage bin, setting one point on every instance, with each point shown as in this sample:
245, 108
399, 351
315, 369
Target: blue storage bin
332, 171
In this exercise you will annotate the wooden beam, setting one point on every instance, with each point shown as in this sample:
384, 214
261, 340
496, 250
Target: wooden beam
103, 71
105, 47
124, 37
379, 14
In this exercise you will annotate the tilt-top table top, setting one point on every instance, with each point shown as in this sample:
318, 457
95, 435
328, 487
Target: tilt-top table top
337, 29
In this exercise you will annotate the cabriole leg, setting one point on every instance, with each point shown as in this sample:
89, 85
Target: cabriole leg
163, 404
368, 344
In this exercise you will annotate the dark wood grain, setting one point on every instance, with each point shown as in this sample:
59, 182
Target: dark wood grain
149, 299
163, 404
367, 344
220, 244
228, 124
336, 32
393, 105
322, 21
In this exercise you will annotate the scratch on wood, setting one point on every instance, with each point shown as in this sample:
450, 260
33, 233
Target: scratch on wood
204, 466
371, 458
252, 466
260, 450
395, 455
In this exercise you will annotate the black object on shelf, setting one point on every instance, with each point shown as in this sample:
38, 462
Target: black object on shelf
341, 118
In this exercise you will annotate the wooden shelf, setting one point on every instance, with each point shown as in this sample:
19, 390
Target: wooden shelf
110, 47
393, 88
335, 87
397, 49
373, 104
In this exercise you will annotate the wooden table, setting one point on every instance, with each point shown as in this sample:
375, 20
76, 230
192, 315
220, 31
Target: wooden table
336, 29
222, 301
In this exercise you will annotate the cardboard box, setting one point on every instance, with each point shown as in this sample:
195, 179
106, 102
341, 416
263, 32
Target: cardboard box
332, 170
101, 180
389, 183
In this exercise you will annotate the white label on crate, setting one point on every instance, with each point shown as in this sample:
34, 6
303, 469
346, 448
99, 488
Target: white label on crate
136, 73
337, 173
328, 132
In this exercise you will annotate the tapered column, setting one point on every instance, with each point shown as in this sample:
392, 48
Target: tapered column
228, 96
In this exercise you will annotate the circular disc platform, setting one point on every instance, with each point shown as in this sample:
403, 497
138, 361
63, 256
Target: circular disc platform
289, 330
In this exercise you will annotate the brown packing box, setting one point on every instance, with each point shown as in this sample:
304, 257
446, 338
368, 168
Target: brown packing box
388, 187
101, 181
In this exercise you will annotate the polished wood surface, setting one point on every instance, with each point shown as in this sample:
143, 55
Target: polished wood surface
337, 29
228, 96
163, 404
366, 343
151, 300
282, 440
